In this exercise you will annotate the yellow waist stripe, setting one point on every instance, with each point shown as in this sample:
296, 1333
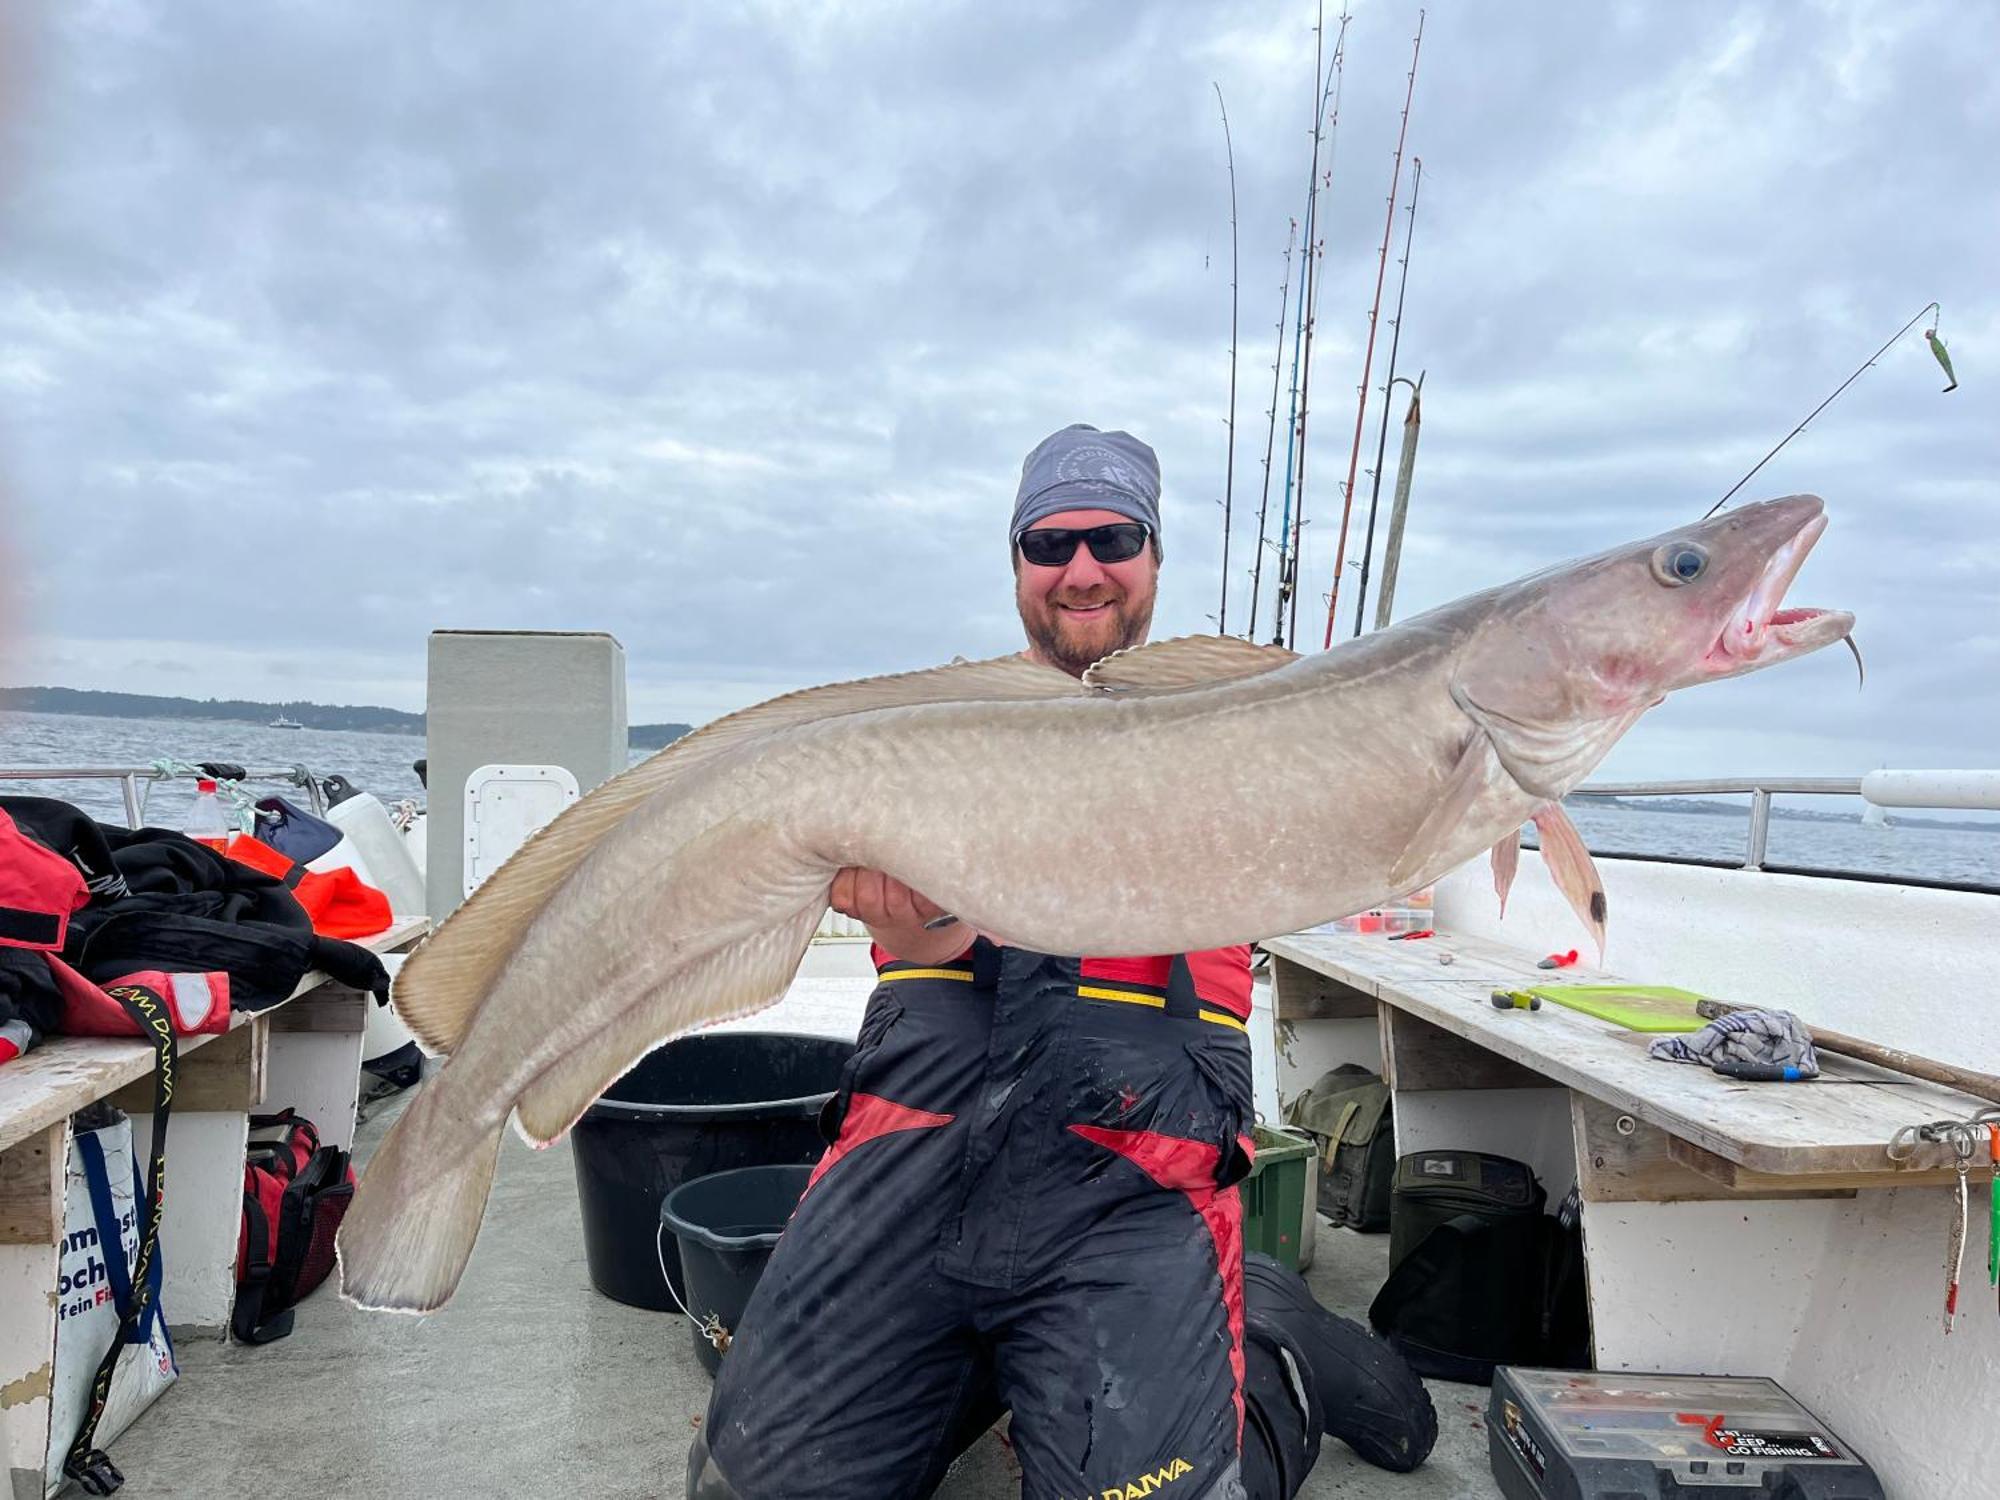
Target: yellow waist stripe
1127, 997
1084, 991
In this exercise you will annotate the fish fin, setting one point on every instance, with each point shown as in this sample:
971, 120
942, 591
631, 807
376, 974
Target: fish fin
1506, 860
448, 978
1571, 867
1464, 785
1545, 759
1188, 661
409, 1229
735, 981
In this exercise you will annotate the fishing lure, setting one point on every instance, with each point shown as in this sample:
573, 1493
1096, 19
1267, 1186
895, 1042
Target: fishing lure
1943, 357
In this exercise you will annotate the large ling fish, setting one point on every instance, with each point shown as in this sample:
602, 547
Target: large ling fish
1184, 795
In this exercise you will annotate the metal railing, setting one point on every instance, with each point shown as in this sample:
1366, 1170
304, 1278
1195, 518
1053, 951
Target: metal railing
1759, 789
135, 782
1930, 789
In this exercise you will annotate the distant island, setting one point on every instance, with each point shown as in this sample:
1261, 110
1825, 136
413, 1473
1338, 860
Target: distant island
367, 718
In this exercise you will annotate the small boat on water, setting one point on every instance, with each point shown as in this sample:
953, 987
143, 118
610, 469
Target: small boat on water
281, 722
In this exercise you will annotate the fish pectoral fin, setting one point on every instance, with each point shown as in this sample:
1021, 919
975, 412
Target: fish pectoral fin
448, 978
731, 982
1506, 861
1545, 759
1573, 870
1470, 778
1188, 661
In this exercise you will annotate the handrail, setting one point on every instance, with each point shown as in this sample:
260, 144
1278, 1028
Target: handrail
129, 778
1954, 786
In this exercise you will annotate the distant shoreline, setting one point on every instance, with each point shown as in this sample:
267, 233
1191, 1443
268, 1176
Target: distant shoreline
357, 718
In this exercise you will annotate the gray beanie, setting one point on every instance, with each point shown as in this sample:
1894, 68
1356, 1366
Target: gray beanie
1080, 468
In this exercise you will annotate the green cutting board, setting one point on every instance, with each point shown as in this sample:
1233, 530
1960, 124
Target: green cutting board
1636, 1007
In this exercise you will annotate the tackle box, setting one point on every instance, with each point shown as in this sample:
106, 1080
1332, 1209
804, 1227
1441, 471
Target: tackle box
1606, 1435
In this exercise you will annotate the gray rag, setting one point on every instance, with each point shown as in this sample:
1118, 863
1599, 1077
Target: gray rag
1750, 1036
1080, 468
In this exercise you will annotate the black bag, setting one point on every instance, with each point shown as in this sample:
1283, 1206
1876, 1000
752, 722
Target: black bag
1480, 1275
295, 1192
1348, 1113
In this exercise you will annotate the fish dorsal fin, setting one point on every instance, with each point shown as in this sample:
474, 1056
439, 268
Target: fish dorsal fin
1188, 661
446, 980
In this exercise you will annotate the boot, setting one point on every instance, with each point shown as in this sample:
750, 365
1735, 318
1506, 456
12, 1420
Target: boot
1372, 1400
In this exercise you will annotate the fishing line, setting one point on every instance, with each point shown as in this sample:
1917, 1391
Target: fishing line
1936, 348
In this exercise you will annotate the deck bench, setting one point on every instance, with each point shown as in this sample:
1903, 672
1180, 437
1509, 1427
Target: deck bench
304, 1052
1709, 1203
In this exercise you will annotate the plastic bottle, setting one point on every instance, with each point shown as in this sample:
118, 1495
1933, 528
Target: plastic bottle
207, 824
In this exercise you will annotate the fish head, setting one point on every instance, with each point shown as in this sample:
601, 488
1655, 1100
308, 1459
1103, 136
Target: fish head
1600, 640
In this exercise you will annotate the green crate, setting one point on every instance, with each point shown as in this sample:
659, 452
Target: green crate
1274, 1194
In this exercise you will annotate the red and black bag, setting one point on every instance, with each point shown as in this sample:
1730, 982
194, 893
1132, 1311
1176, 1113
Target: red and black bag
295, 1192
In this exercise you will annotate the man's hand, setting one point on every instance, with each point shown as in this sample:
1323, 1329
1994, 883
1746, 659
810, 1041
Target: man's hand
895, 916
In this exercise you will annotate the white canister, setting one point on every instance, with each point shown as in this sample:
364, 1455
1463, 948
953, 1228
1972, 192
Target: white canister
378, 853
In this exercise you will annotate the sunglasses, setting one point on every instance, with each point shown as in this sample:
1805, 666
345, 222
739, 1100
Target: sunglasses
1053, 546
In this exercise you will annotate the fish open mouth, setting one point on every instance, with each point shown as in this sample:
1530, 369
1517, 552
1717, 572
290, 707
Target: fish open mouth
1763, 630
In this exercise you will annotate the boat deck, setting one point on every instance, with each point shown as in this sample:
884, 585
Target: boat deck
532, 1384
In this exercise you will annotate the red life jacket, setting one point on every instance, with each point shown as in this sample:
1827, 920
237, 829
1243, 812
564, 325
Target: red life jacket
340, 903
39, 890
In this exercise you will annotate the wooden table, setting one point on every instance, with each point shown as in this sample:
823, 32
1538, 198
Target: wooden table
1645, 1130
1720, 1218
304, 1052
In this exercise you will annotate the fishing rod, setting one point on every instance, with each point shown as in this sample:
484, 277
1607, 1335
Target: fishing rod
1229, 464
1285, 626
1368, 359
1271, 431
1937, 349
1382, 438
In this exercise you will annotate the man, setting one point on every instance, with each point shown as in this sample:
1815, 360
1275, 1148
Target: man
1029, 1201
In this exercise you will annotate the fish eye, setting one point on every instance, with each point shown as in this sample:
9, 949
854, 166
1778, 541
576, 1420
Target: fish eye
1679, 562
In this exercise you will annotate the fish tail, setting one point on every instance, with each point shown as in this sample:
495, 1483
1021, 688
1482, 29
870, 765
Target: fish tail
404, 1241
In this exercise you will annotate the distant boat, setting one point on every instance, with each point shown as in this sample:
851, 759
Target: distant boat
281, 722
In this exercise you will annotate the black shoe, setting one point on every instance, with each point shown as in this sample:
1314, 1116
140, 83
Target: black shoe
1372, 1399
1282, 1420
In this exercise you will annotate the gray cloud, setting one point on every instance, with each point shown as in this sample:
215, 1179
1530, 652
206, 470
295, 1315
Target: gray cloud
725, 328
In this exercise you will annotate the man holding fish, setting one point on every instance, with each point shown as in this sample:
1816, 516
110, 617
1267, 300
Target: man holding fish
1030, 1198
1030, 1195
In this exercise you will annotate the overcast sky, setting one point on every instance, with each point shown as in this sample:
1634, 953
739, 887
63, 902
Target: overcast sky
725, 328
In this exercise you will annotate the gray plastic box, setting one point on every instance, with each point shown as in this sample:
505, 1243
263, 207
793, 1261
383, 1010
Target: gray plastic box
1606, 1435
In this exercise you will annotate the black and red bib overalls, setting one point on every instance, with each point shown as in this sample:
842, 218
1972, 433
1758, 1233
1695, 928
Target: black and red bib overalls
1031, 1195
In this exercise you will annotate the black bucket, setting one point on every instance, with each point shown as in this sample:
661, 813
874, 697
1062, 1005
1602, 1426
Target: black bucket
726, 1225
703, 1104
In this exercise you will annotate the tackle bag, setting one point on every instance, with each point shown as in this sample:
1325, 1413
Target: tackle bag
1348, 1114
1479, 1274
295, 1192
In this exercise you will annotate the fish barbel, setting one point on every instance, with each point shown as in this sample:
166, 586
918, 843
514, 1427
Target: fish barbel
1184, 795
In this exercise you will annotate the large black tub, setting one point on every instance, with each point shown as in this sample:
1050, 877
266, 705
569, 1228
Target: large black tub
703, 1104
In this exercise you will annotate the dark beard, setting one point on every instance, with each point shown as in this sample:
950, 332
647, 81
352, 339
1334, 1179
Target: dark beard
1075, 658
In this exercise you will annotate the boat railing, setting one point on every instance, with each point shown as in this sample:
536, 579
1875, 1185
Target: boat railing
135, 782
1979, 790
